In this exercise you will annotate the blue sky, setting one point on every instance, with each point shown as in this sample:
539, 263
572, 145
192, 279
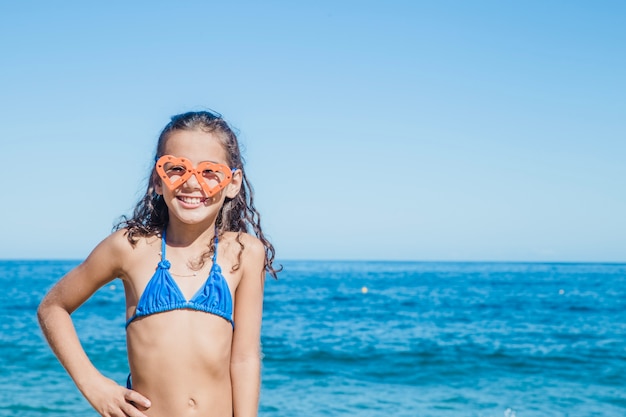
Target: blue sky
409, 130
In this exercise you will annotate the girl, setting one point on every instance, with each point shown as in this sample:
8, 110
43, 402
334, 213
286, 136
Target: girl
193, 342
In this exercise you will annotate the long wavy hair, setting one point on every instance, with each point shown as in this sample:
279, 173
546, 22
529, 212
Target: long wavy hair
150, 216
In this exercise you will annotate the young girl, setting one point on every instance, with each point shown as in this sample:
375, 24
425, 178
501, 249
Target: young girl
193, 342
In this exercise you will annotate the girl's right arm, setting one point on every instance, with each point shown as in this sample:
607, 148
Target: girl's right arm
102, 266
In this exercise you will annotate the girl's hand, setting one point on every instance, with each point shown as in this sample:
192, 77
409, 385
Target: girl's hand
112, 400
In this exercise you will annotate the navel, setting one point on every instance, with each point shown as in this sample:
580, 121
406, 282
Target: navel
191, 403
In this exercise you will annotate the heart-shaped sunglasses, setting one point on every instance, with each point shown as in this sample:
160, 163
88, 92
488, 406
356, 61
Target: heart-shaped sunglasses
211, 176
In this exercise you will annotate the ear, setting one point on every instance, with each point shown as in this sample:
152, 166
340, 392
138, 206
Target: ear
233, 187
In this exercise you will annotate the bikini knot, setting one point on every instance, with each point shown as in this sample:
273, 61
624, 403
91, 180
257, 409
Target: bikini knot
164, 264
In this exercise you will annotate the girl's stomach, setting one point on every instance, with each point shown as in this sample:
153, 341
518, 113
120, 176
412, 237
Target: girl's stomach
180, 361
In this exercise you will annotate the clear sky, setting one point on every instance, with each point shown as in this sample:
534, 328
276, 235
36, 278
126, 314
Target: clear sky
409, 130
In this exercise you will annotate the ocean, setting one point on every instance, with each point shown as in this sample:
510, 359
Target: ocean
371, 339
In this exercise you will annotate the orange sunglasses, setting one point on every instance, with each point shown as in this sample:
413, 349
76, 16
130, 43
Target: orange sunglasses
211, 176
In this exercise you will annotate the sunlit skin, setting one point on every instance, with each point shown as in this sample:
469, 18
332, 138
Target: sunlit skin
184, 363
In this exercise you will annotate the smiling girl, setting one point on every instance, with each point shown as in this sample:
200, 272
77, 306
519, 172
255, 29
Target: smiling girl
192, 259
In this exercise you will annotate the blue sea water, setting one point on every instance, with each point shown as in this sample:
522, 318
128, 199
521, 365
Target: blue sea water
372, 339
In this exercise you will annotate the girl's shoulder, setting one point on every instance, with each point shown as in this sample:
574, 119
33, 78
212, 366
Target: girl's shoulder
243, 249
119, 244
236, 241
124, 255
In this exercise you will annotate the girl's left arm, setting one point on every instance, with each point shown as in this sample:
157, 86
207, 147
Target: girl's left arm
245, 362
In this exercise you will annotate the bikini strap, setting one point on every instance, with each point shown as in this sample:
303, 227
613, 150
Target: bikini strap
215, 250
163, 245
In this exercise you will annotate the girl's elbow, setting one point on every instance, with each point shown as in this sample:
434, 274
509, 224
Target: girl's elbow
246, 358
43, 312
46, 310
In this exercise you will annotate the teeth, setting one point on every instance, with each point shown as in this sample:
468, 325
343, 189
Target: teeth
191, 200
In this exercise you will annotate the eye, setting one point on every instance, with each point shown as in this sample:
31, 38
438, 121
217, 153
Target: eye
176, 169
210, 174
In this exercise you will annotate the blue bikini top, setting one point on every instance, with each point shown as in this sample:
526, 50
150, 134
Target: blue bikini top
163, 294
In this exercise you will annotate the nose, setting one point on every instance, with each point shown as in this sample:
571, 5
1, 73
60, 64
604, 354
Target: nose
193, 182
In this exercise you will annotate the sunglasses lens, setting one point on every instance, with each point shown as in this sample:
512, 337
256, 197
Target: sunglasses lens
173, 171
212, 177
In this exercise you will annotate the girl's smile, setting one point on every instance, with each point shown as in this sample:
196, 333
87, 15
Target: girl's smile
191, 202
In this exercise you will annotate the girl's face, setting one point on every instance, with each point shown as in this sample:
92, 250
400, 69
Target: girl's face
189, 203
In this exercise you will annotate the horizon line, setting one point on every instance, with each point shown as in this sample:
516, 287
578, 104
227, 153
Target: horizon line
430, 261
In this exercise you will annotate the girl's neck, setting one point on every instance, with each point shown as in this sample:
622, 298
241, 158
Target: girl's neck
183, 235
